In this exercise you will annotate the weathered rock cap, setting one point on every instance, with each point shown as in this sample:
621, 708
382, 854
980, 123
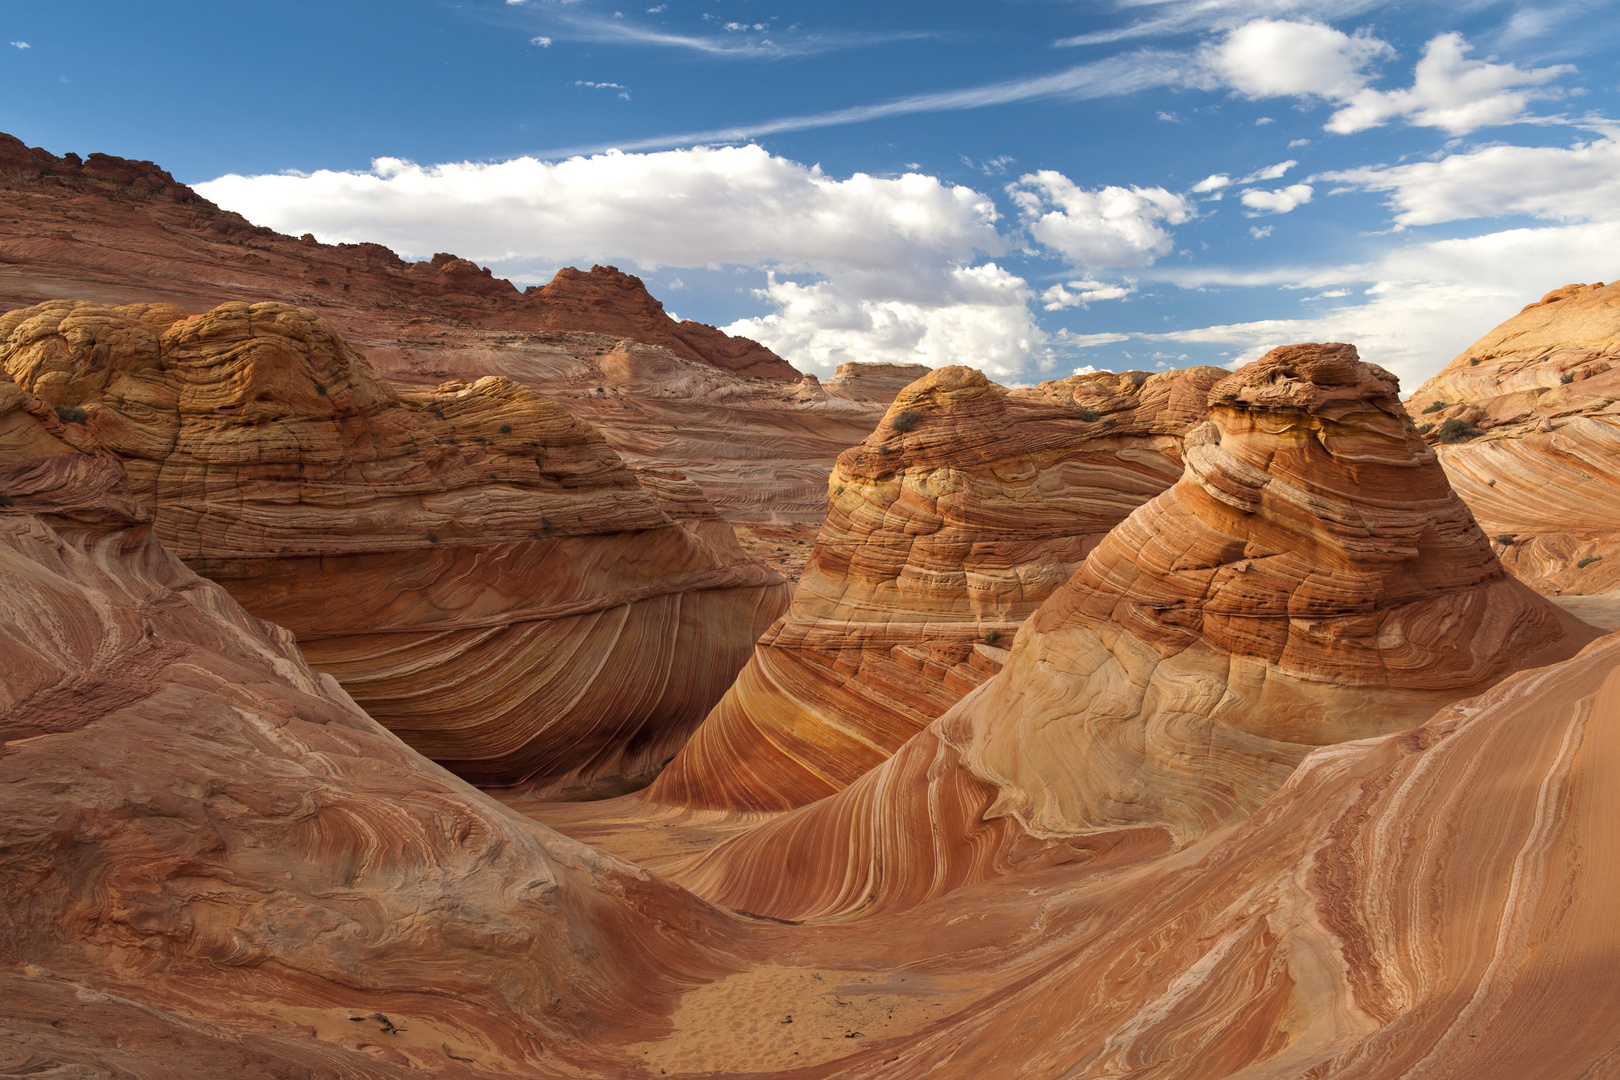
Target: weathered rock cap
1309, 376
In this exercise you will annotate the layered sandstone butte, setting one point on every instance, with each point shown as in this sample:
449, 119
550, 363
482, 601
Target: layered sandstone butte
951, 523
213, 863
1527, 423
475, 566
1310, 579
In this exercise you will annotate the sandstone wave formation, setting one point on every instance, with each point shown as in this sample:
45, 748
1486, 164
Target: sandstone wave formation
946, 528
1527, 423
213, 862
1310, 579
474, 565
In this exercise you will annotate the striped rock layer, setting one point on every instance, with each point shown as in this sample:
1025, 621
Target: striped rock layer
474, 565
1310, 579
1539, 457
946, 528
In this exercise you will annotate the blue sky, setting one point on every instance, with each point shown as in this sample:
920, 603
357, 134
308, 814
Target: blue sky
1029, 187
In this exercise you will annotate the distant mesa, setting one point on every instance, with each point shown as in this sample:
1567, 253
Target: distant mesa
964, 511
872, 381
1310, 579
1527, 423
475, 565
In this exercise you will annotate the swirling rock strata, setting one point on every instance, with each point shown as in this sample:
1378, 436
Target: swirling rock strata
871, 381
1533, 442
1310, 579
195, 824
952, 522
474, 565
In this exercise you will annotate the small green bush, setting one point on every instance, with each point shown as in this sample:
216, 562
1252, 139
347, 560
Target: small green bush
1088, 415
1490, 483
1567, 377
1424, 429
72, 414
1506, 539
992, 637
905, 421
1473, 361
1434, 406
506, 429
1457, 430
1588, 561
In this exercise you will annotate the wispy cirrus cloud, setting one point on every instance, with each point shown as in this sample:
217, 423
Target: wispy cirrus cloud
1114, 76
1165, 18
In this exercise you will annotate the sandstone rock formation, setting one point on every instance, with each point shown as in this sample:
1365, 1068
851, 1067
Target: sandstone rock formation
124, 232
1527, 423
206, 841
474, 565
1310, 579
951, 523
872, 381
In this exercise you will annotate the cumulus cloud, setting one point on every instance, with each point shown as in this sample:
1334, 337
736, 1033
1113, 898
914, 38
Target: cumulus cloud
21, 45
1279, 200
1098, 229
685, 208
1059, 297
1282, 58
975, 315
1452, 92
1212, 183
541, 40
1577, 183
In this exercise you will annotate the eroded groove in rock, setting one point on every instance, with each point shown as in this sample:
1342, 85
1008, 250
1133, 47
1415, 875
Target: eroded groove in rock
1310, 579
1527, 425
951, 523
442, 553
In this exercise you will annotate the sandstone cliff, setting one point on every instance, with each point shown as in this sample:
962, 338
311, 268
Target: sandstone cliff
1310, 579
475, 566
951, 523
1527, 424
871, 381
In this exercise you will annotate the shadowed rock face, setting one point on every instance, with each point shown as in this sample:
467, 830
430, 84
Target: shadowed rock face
476, 567
1534, 446
946, 528
1310, 579
196, 822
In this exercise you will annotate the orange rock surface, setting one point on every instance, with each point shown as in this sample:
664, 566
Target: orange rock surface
951, 523
475, 565
879, 383
1534, 408
207, 838
1310, 579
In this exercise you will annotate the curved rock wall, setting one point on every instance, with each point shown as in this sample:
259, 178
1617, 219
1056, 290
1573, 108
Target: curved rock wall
1310, 579
476, 566
951, 523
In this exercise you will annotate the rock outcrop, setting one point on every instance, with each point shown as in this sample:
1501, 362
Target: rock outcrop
946, 528
872, 381
475, 566
208, 850
1310, 579
1527, 423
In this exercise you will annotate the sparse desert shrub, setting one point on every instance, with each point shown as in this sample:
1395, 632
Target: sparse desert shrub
905, 421
992, 637
433, 538
1490, 483
1088, 415
1458, 430
1473, 361
1434, 406
1424, 429
1506, 539
1110, 422
5, 500
72, 414
1588, 561
320, 388
1567, 377
506, 429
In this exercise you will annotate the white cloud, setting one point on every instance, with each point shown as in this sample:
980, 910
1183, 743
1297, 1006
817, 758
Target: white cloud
684, 208
1059, 297
974, 315
1260, 232
1108, 227
1270, 172
1183, 16
1263, 121
1424, 302
1212, 183
1578, 183
1279, 58
542, 41
21, 45
1452, 92
1278, 201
